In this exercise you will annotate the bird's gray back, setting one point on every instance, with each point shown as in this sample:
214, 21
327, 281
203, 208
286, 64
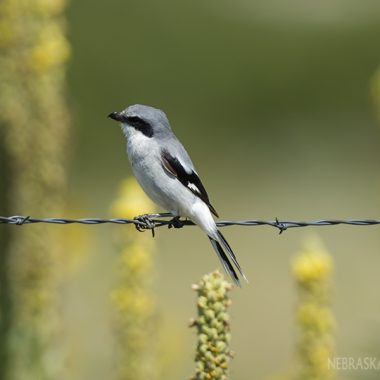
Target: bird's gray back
172, 145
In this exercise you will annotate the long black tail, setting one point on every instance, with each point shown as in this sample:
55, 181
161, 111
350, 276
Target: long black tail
231, 254
224, 258
225, 262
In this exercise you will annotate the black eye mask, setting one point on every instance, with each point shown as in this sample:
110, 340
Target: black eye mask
141, 125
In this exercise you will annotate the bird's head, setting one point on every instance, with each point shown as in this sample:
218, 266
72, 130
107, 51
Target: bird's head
144, 119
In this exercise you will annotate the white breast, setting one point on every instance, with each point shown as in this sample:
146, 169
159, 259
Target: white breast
144, 153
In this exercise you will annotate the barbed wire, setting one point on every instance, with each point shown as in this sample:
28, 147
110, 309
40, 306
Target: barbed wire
144, 222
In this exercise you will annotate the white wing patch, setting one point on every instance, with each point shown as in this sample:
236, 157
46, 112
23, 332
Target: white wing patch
192, 187
189, 179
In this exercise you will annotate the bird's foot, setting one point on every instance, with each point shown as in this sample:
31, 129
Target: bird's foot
146, 223
176, 222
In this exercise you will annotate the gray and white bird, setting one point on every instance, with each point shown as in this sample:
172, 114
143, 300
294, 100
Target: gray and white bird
166, 173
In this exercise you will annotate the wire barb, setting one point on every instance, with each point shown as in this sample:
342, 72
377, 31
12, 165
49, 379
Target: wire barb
281, 226
20, 220
144, 222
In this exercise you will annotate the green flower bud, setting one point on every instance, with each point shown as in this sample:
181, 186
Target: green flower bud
210, 314
220, 346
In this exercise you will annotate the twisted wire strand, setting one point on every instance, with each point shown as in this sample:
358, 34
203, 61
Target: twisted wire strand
146, 223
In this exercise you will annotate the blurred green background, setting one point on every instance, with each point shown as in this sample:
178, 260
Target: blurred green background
272, 101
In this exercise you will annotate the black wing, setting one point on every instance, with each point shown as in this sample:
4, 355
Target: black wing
189, 180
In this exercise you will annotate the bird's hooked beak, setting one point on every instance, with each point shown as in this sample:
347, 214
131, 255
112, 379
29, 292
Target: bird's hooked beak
118, 116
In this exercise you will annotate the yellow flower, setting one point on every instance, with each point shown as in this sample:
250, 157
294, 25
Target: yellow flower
52, 50
134, 258
312, 269
312, 266
131, 201
50, 7
132, 297
313, 263
314, 317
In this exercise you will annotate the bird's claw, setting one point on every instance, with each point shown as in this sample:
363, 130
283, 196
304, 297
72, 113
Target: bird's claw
176, 222
145, 223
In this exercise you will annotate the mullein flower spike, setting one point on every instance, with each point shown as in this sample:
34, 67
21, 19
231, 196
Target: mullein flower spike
312, 269
135, 316
34, 124
213, 328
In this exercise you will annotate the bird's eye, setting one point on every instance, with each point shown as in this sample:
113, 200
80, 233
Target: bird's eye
141, 125
134, 120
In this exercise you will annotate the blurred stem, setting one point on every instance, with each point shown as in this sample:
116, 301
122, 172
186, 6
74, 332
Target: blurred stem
312, 269
34, 121
135, 323
375, 92
5, 304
